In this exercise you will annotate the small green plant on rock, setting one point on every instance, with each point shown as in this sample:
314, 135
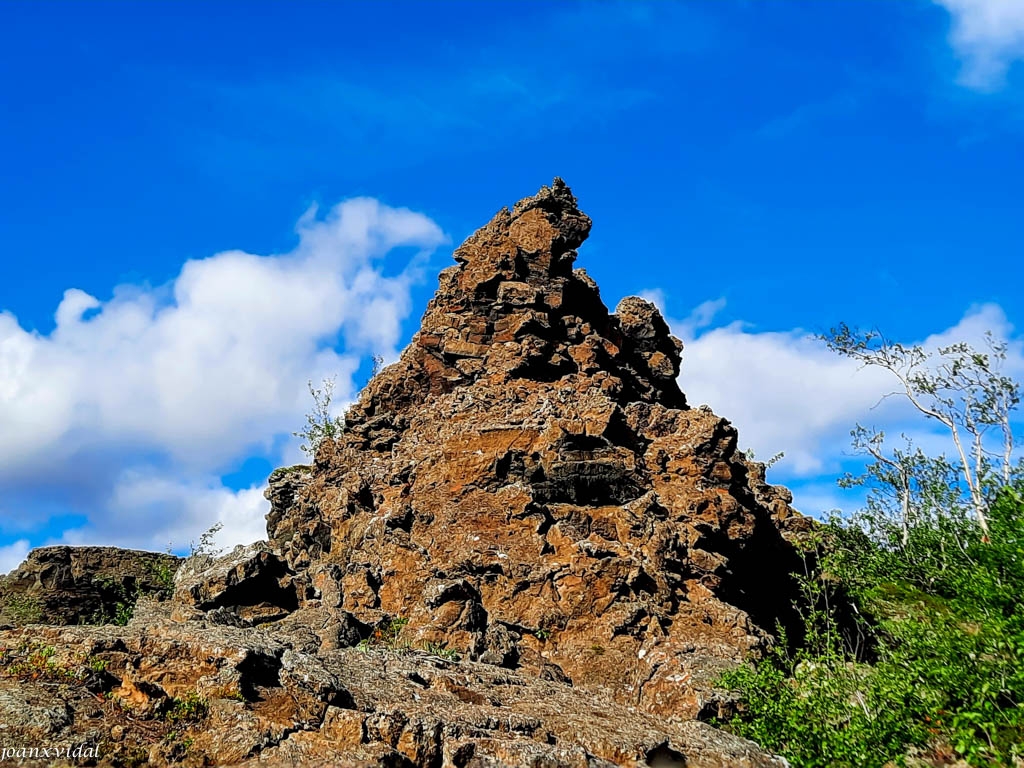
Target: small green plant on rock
387, 636
190, 707
320, 424
123, 613
119, 599
22, 609
441, 651
127, 755
162, 575
202, 553
35, 661
206, 547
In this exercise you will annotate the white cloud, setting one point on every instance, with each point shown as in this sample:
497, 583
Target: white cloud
783, 390
702, 316
12, 554
656, 296
179, 381
988, 36
184, 507
786, 392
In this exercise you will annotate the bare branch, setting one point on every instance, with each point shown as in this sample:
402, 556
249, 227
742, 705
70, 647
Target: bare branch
958, 387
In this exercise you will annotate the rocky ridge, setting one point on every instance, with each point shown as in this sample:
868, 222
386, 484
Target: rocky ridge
75, 585
525, 549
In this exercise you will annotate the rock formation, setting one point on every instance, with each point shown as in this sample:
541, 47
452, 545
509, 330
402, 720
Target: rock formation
525, 549
74, 585
528, 487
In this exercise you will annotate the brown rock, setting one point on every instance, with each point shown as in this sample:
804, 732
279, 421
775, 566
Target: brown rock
524, 550
555, 506
251, 583
74, 585
198, 694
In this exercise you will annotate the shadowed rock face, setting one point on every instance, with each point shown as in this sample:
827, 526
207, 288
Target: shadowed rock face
528, 486
524, 550
74, 585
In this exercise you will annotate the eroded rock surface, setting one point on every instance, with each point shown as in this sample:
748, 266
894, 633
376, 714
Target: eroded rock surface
74, 585
251, 584
527, 485
204, 694
525, 549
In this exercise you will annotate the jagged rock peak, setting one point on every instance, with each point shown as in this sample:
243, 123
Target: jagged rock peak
526, 486
533, 243
513, 308
566, 226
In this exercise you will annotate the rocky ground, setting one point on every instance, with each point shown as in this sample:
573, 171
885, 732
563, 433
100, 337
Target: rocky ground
525, 549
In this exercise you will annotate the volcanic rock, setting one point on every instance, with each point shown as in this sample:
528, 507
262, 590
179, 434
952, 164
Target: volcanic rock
527, 485
73, 585
524, 549
251, 583
201, 694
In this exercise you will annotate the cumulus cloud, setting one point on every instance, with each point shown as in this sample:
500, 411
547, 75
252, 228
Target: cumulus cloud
184, 507
988, 36
127, 408
785, 392
12, 554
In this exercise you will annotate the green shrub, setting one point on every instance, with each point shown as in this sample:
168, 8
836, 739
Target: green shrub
123, 613
22, 609
162, 574
35, 661
320, 424
934, 662
387, 635
440, 650
118, 600
913, 631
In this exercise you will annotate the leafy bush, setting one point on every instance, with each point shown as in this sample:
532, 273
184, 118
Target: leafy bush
34, 661
22, 609
118, 600
162, 574
206, 548
387, 635
190, 707
913, 620
935, 661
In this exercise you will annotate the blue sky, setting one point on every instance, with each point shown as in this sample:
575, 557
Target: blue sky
228, 199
